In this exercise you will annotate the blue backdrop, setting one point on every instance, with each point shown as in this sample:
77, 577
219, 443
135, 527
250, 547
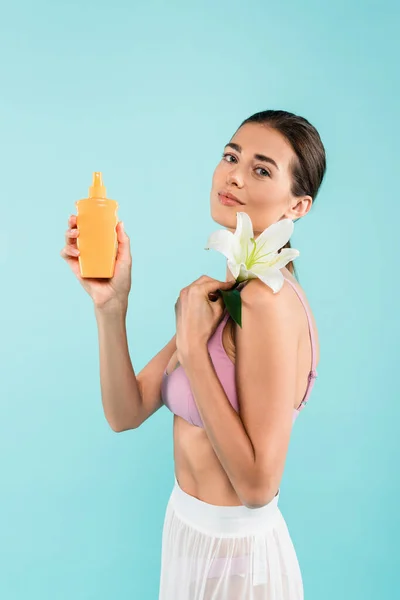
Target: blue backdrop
149, 95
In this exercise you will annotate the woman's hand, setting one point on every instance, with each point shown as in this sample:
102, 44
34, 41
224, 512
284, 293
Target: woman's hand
106, 293
198, 311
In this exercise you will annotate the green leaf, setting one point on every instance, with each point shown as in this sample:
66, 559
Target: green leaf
233, 303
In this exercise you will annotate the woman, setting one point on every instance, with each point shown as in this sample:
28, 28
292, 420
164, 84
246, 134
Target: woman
235, 392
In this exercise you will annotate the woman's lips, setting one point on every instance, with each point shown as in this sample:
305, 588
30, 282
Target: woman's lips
226, 201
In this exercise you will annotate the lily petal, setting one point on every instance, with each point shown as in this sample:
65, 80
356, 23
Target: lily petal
221, 241
245, 274
234, 267
242, 236
244, 227
277, 261
274, 237
284, 256
272, 277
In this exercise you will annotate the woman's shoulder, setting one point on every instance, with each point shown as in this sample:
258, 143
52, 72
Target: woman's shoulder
255, 291
258, 295
285, 303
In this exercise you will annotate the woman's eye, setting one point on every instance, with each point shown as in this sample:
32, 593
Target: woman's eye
227, 156
264, 172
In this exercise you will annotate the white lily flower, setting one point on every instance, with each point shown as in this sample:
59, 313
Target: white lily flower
249, 258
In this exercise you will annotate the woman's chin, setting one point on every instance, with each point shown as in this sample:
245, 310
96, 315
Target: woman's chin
224, 215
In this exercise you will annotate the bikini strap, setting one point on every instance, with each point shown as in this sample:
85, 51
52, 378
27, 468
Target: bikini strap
313, 372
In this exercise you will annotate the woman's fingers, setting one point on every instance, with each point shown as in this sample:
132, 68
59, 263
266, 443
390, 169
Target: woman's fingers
71, 235
124, 248
70, 251
72, 229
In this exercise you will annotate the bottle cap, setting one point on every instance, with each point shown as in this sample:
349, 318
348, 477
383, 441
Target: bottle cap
97, 189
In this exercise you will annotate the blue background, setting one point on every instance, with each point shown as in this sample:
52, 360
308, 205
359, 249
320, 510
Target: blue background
149, 95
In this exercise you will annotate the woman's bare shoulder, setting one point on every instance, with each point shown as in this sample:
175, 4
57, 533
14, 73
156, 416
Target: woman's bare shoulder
257, 290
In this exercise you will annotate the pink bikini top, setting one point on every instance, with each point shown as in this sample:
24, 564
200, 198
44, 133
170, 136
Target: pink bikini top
176, 392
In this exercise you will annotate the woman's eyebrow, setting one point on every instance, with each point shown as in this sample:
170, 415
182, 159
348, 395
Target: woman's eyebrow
261, 157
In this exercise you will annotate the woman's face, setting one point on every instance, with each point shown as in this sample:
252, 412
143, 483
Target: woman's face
247, 171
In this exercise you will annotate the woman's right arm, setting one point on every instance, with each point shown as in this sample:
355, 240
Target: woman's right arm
128, 399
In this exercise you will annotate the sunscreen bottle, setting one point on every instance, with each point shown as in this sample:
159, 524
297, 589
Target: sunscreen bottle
97, 241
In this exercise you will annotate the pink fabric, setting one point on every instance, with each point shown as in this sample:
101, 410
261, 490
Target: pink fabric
176, 392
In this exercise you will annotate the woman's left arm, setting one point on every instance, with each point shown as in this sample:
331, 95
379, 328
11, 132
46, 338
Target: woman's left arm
252, 447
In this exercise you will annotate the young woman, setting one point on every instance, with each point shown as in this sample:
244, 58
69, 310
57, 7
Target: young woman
235, 392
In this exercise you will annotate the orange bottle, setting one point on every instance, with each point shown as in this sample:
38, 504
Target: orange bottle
97, 240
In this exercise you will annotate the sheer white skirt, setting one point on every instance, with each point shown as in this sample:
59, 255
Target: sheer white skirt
226, 552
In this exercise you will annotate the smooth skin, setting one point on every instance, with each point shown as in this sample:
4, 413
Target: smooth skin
218, 463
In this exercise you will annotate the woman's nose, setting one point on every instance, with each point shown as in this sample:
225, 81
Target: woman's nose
234, 177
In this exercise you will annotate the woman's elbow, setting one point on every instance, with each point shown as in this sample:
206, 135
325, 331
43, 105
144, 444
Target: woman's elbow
259, 496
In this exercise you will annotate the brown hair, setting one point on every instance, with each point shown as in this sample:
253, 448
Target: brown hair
309, 169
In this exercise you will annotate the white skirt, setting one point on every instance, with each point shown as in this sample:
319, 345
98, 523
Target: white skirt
226, 552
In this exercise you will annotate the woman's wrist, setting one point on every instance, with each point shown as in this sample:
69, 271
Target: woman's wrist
115, 308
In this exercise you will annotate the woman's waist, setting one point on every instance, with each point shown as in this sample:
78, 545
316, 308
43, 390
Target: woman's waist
198, 469
222, 520
210, 485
